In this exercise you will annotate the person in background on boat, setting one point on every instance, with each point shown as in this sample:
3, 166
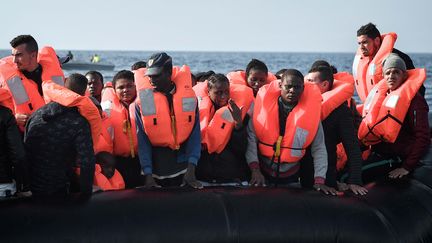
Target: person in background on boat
203, 76
56, 139
23, 76
223, 118
95, 58
13, 163
338, 125
373, 48
95, 84
138, 65
70, 55
255, 76
168, 124
286, 124
280, 72
118, 104
411, 142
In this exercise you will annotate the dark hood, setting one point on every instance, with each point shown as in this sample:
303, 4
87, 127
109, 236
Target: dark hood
54, 110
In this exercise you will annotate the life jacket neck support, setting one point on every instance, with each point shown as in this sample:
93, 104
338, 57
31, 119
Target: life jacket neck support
384, 111
239, 77
366, 71
217, 125
342, 90
165, 126
300, 128
123, 123
6, 99
68, 98
25, 94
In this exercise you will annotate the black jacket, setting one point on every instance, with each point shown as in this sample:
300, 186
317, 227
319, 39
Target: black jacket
56, 139
12, 156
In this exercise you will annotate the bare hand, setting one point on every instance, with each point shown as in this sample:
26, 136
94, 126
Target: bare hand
189, 178
398, 173
325, 189
21, 119
235, 112
356, 189
150, 182
257, 178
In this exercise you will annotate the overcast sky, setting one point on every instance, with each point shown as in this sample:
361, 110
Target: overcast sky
215, 25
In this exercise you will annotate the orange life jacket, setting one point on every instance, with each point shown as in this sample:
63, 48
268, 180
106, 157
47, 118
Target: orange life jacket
123, 122
116, 182
384, 111
342, 90
217, 126
367, 71
163, 126
68, 98
25, 94
239, 77
6, 99
300, 128
105, 143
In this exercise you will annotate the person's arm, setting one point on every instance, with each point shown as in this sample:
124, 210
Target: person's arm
144, 145
85, 154
419, 122
193, 153
319, 154
350, 143
251, 155
16, 152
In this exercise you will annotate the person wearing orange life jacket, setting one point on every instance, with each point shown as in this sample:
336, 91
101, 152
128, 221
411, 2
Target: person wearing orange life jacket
395, 121
95, 84
168, 123
373, 49
223, 116
338, 125
255, 76
13, 163
24, 72
56, 137
118, 104
106, 176
286, 122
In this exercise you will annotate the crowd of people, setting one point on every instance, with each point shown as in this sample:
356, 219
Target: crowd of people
159, 125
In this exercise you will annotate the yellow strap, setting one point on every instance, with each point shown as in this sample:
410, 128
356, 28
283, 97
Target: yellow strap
174, 130
278, 147
127, 129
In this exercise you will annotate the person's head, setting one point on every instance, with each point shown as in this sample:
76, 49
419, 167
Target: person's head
25, 52
395, 73
369, 39
322, 76
77, 83
124, 86
138, 65
159, 70
218, 89
256, 74
292, 86
280, 73
324, 63
203, 76
95, 83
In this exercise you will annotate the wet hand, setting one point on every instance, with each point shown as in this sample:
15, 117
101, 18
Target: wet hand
21, 119
257, 178
325, 189
398, 173
358, 190
235, 112
150, 182
189, 178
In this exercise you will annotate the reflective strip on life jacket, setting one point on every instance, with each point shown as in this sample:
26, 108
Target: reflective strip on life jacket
148, 106
17, 90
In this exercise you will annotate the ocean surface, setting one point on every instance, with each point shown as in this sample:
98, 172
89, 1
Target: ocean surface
224, 62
